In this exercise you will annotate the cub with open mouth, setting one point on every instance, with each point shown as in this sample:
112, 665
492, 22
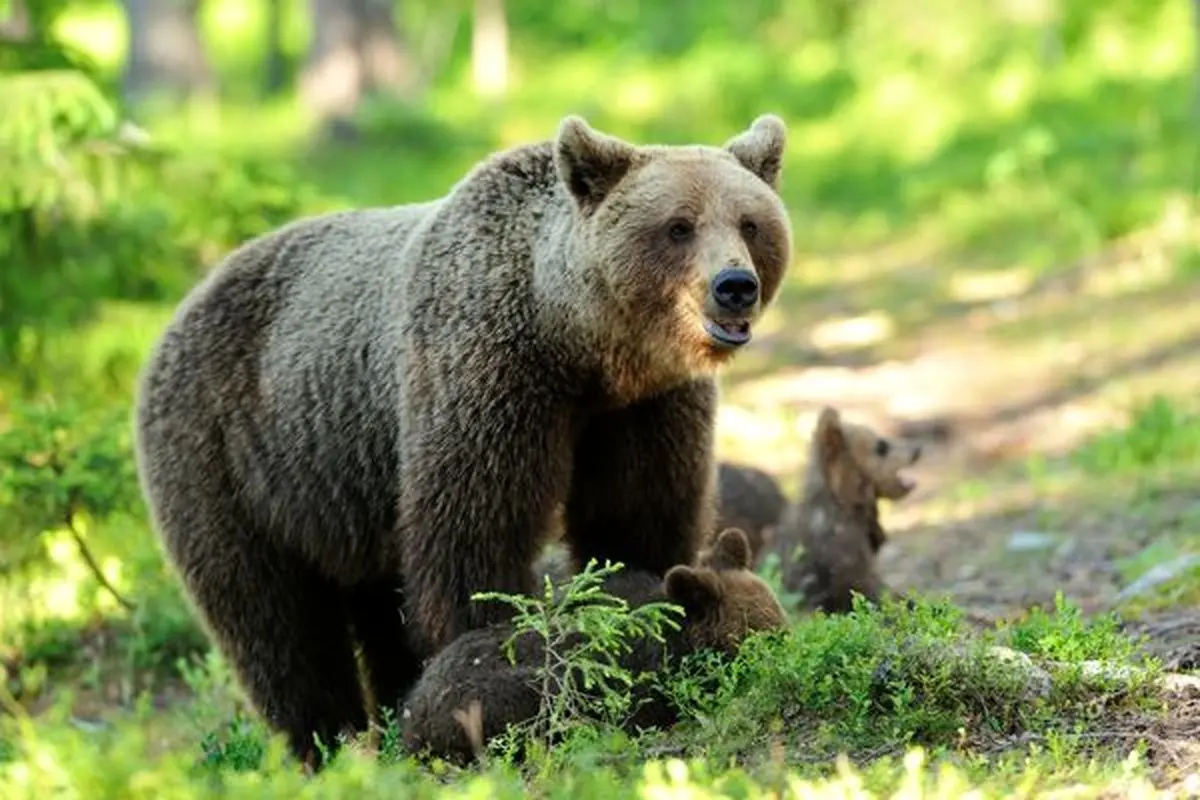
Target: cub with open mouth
850, 469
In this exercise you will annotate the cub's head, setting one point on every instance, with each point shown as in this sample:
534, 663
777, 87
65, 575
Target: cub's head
724, 600
682, 246
859, 465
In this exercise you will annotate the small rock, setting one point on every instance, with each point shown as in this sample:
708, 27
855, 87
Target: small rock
968, 572
1183, 686
90, 725
1029, 540
1158, 575
1099, 670
1065, 549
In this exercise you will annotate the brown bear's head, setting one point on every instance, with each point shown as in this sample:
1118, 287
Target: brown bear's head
676, 250
724, 600
859, 465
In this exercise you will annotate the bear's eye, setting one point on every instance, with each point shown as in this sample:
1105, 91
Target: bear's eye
882, 448
749, 229
680, 230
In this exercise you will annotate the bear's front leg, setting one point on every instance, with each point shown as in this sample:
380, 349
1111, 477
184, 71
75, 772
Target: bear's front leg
642, 488
477, 498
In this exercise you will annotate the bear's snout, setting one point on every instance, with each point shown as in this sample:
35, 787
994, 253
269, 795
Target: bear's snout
735, 289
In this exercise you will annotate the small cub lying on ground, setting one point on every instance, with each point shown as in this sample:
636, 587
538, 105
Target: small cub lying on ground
850, 469
724, 603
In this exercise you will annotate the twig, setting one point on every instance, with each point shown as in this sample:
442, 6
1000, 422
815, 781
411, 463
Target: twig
90, 560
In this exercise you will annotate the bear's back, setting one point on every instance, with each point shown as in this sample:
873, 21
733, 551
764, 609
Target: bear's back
281, 353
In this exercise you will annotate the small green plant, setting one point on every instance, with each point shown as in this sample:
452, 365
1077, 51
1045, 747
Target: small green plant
1067, 636
62, 467
239, 745
584, 633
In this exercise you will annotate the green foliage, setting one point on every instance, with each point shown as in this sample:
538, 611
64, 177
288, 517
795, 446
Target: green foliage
240, 746
89, 209
58, 462
885, 678
584, 633
1067, 636
1161, 433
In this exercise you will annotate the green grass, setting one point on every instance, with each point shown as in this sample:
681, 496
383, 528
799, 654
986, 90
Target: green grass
880, 682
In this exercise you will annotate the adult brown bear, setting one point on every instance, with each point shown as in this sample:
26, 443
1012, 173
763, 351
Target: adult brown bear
398, 398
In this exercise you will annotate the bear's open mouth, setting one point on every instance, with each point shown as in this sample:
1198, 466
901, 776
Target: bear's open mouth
907, 484
731, 334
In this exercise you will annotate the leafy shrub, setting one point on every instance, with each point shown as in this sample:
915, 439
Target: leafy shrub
58, 465
881, 679
90, 209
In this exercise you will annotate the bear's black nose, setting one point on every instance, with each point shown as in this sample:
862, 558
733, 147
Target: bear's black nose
735, 289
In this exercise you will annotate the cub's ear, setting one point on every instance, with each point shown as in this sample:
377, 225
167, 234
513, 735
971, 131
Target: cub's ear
730, 551
760, 148
589, 163
694, 589
831, 441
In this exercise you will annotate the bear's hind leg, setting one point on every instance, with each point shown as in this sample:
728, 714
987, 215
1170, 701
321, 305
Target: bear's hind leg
282, 627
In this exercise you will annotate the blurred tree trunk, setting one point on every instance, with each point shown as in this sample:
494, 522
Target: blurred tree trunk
166, 52
355, 50
274, 68
489, 48
18, 26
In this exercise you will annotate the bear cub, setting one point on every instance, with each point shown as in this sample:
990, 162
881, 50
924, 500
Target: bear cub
724, 602
850, 469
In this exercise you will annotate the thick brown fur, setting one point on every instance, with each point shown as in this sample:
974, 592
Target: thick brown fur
747, 498
360, 419
750, 499
836, 521
724, 602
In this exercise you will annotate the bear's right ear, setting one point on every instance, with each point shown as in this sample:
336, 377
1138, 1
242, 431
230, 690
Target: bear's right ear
731, 551
760, 148
589, 163
694, 589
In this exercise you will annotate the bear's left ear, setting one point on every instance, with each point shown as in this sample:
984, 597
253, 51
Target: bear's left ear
760, 148
692, 588
831, 440
589, 163
730, 551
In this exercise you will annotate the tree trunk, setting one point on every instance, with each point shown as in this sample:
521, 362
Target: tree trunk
355, 49
489, 48
17, 27
166, 53
273, 66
